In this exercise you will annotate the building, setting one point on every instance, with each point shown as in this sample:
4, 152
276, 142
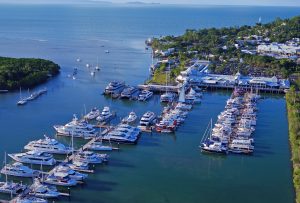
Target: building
279, 49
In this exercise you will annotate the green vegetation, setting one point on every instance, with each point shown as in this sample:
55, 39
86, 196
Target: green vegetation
293, 107
220, 47
25, 72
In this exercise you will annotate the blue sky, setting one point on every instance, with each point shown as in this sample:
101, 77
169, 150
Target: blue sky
200, 2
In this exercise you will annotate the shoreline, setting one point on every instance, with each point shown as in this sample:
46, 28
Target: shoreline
293, 121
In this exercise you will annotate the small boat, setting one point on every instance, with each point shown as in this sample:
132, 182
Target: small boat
60, 179
19, 170
34, 157
41, 190
145, 95
22, 101
78, 60
105, 115
107, 51
94, 113
131, 118
29, 199
87, 65
92, 73
11, 188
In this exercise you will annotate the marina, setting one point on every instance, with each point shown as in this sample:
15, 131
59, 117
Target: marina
157, 157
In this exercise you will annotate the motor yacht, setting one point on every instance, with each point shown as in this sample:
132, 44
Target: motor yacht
167, 97
145, 95
11, 187
105, 115
72, 174
114, 86
90, 157
131, 118
147, 119
48, 145
41, 190
76, 128
128, 92
29, 199
94, 113
19, 170
60, 179
34, 157
98, 146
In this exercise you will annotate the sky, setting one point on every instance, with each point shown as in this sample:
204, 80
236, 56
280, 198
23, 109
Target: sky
199, 2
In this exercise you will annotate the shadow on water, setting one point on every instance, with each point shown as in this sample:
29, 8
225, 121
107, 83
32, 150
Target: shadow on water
120, 163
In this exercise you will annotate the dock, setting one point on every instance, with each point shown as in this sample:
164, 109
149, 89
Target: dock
160, 88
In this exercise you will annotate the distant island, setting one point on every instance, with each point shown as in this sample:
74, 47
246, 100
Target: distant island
270, 49
25, 72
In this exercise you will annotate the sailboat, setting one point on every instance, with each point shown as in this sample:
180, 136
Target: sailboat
10, 187
167, 96
207, 144
22, 101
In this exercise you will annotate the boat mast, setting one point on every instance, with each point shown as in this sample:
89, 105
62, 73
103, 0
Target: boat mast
5, 166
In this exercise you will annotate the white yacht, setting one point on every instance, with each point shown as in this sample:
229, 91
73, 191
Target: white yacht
79, 166
168, 97
29, 199
105, 115
98, 146
48, 145
128, 92
121, 137
131, 118
72, 174
76, 128
193, 97
34, 157
61, 179
145, 95
19, 170
11, 187
41, 190
89, 157
147, 119
114, 86
94, 113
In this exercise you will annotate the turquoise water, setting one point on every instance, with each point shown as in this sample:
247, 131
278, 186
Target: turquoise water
161, 168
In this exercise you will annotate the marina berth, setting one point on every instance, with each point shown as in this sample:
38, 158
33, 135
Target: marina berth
19, 170
34, 157
76, 128
48, 145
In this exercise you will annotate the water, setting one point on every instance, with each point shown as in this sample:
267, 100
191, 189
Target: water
161, 168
